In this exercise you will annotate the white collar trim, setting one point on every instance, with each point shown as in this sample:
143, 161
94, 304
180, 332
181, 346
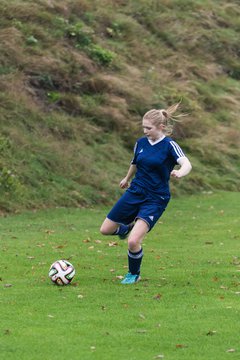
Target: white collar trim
156, 141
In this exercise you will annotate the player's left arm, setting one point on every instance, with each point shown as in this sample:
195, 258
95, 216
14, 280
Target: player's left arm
185, 168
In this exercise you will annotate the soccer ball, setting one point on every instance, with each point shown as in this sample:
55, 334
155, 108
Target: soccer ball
61, 272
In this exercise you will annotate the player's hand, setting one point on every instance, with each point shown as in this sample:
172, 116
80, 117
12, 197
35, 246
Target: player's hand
123, 183
176, 174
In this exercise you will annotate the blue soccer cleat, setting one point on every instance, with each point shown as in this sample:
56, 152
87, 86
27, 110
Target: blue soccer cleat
130, 279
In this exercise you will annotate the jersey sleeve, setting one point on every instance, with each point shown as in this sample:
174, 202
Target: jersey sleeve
133, 162
176, 150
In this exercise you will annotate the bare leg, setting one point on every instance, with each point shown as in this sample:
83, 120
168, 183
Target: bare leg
108, 227
137, 235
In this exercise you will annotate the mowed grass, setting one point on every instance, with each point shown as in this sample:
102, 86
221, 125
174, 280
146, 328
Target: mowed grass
187, 305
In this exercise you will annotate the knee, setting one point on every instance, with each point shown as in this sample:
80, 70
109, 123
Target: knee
104, 230
134, 244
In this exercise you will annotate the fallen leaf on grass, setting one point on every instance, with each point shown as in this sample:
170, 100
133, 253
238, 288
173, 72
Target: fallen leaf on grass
7, 285
113, 243
49, 232
211, 332
119, 277
230, 350
223, 287
160, 356
181, 346
157, 297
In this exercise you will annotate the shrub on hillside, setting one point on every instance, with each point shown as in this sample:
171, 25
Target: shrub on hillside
8, 181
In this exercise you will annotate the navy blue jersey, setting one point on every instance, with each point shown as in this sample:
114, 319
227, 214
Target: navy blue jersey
154, 162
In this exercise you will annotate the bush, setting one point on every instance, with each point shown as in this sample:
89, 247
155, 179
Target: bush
101, 55
8, 181
81, 33
5, 144
31, 40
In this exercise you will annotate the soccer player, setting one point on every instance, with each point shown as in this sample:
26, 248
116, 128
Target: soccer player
144, 201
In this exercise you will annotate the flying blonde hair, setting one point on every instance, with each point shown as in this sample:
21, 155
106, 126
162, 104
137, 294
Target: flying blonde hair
164, 117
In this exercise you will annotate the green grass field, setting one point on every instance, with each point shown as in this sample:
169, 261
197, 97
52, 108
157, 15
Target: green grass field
187, 305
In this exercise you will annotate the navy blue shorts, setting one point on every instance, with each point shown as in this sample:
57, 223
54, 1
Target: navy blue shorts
135, 204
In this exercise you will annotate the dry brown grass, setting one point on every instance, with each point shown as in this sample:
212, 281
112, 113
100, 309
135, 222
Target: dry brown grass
54, 94
118, 102
11, 45
64, 68
20, 10
126, 86
22, 96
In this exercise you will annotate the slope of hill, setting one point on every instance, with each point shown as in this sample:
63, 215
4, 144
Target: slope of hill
77, 76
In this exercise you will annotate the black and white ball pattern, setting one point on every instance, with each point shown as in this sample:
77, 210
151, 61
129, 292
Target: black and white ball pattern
61, 272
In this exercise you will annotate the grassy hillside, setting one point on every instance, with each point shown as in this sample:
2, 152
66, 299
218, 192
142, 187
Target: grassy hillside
77, 76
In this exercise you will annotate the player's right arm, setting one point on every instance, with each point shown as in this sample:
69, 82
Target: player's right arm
185, 168
124, 183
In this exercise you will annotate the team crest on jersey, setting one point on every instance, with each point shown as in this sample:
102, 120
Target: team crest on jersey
151, 218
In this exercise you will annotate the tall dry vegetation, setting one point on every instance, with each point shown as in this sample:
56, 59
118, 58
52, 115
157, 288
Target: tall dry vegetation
77, 76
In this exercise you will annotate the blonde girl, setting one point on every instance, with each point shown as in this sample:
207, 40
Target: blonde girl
144, 201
